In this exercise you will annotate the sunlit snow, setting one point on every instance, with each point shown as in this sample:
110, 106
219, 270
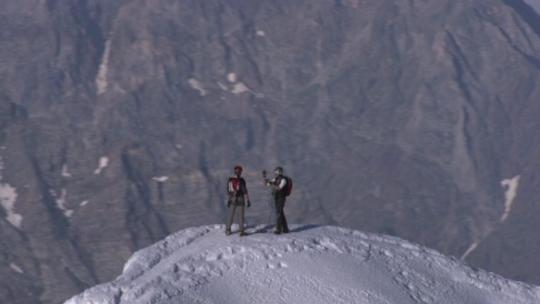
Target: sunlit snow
16, 268
197, 85
231, 77
65, 171
222, 86
310, 265
240, 88
8, 197
469, 250
61, 202
160, 179
101, 79
103, 163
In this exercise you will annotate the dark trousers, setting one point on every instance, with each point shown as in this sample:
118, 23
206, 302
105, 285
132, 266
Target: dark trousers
281, 224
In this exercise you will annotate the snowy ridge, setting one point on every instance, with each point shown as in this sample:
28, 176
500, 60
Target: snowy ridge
311, 265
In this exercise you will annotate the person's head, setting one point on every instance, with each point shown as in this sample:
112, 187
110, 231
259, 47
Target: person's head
278, 171
238, 170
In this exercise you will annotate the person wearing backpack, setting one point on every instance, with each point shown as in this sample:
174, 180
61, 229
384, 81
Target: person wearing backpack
237, 198
281, 188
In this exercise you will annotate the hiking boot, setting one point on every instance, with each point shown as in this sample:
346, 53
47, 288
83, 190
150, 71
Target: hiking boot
242, 233
277, 232
228, 232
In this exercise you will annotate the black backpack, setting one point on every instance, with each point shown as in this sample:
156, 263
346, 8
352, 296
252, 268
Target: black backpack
288, 187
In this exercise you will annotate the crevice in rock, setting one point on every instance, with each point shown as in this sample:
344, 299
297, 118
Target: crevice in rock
534, 61
73, 277
460, 77
460, 54
248, 30
161, 193
227, 52
529, 58
205, 170
468, 137
89, 42
59, 223
60, 226
523, 31
138, 192
85, 260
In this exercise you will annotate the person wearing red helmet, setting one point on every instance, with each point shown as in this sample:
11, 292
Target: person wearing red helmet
238, 199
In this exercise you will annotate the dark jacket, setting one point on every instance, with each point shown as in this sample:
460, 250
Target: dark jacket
236, 188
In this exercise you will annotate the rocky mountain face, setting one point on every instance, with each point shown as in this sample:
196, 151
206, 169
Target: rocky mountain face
535, 4
121, 120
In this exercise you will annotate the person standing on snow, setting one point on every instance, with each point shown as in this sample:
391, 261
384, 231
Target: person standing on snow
238, 198
281, 188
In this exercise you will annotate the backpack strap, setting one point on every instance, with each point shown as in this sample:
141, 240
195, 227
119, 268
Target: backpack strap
279, 180
236, 185
230, 185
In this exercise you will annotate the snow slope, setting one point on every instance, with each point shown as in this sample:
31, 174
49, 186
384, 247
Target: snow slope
312, 264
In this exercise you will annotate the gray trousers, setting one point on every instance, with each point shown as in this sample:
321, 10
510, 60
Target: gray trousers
230, 218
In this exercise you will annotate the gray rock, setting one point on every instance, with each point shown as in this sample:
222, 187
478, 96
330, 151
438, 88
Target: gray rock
121, 120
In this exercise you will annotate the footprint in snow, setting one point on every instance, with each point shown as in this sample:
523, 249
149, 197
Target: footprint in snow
277, 266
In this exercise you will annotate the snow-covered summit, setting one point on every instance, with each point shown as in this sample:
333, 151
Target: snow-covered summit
312, 264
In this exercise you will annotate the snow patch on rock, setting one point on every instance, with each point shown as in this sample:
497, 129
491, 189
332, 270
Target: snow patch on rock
84, 203
261, 33
310, 265
65, 171
469, 250
231, 77
103, 163
61, 202
160, 179
8, 197
16, 268
197, 85
240, 88
101, 79
222, 86
511, 186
